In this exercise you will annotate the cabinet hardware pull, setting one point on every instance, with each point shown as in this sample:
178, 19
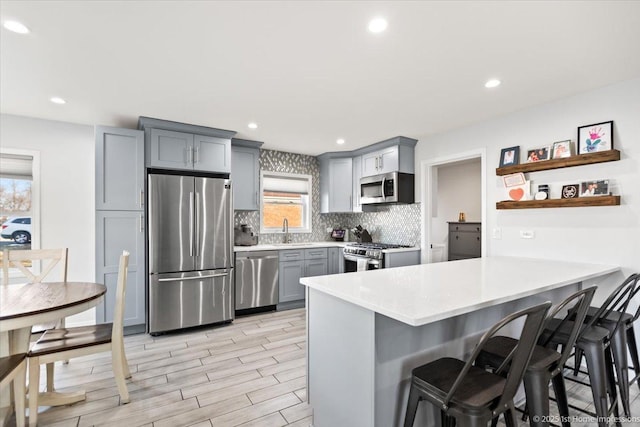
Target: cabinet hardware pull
141, 223
377, 162
196, 154
189, 155
257, 199
456, 237
141, 197
381, 162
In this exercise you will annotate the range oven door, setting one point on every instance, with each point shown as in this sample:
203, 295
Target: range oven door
358, 263
379, 189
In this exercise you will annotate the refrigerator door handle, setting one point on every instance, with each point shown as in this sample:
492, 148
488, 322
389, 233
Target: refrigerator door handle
179, 279
191, 223
197, 222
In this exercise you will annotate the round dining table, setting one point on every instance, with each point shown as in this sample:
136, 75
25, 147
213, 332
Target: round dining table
28, 304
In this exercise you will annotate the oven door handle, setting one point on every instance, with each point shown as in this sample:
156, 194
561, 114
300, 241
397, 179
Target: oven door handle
355, 258
384, 196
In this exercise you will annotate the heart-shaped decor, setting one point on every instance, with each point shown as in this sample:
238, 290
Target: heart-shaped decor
516, 193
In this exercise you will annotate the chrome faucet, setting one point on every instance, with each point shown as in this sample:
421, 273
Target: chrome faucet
285, 230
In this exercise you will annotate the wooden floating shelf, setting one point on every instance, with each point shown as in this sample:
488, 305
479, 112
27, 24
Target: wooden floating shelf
561, 203
582, 159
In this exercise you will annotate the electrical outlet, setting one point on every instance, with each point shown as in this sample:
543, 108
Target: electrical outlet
527, 234
497, 233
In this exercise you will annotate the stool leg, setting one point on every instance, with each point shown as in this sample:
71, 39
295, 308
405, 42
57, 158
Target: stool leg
633, 351
577, 360
536, 387
619, 347
611, 385
561, 398
412, 407
598, 377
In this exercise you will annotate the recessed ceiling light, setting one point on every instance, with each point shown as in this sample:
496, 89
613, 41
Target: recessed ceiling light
253, 125
58, 100
340, 141
377, 25
16, 27
492, 83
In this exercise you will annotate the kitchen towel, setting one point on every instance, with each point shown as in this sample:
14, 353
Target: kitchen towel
363, 264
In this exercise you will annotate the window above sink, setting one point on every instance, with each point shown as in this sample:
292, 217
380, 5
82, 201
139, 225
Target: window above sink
285, 196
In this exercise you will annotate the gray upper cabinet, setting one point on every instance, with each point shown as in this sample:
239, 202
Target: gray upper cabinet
379, 162
357, 174
245, 174
211, 154
392, 155
170, 150
336, 184
119, 169
117, 231
171, 145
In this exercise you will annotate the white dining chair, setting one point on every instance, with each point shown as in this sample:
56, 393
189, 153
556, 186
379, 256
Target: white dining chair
27, 263
13, 369
61, 344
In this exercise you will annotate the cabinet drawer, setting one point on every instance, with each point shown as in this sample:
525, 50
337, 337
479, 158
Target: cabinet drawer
315, 253
292, 255
464, 244
468, 227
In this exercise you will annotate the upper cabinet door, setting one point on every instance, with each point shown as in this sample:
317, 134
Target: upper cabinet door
119, 169
211, 154
245, 174
370, 164
172, 150
357, 174
388, 160
340, 185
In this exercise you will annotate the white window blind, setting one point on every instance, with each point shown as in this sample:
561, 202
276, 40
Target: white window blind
15, 166
285, 184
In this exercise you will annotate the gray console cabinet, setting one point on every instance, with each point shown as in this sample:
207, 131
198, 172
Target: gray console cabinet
117, 231
120, 220
335, 261
464, 240
295, 264
245, 173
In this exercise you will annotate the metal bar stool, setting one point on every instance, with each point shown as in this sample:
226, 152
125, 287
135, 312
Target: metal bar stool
546, 363
468, 394
612, 315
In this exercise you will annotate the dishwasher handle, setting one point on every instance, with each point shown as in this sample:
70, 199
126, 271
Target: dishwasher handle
258, 257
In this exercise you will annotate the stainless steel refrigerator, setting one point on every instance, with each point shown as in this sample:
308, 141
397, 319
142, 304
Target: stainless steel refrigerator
190, 252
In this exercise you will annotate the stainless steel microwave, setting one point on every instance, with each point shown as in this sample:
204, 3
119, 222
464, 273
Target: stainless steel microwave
394, 187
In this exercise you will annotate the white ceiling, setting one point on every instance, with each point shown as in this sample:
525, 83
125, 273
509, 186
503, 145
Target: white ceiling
309, 72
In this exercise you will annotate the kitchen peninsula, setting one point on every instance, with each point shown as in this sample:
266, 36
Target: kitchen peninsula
368, 330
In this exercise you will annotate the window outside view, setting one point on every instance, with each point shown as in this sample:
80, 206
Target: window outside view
286, 196
15, 213
278, 206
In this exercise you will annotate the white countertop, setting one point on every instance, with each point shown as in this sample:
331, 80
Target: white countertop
421, 294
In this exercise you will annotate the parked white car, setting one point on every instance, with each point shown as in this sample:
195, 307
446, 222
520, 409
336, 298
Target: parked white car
18, 229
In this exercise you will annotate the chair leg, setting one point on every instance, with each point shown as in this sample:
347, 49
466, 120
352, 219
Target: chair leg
34, 389
536, 386
611, 385
510, 416
561, 398
412, 407
19, 394
50, 374
577, 361
125, 363
633, 351
119, 374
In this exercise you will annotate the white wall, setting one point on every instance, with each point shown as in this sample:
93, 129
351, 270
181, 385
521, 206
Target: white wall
67, 189
459, 190
607, 235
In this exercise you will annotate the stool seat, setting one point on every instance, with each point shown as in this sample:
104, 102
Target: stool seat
478, 389
498, 348
56, 340
592, 334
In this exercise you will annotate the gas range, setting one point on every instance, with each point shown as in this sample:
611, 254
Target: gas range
370, 250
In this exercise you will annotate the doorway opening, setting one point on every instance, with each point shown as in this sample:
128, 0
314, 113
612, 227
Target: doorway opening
452, 185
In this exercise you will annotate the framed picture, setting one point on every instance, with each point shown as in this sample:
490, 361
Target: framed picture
594, 188
538, 154
510, 156
562, 149
570, 191
594, 138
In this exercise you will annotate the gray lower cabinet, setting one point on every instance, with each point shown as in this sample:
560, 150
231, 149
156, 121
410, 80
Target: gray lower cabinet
464, 240
335, 261
295, 264
245, 173
117, 231
119, 169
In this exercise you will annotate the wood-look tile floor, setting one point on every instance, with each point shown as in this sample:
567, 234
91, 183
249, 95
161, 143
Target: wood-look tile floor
249, 373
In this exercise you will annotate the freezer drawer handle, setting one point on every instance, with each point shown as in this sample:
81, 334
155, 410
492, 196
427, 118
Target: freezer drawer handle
209, 276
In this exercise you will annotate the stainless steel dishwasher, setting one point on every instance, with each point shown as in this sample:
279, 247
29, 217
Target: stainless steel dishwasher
256, 279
